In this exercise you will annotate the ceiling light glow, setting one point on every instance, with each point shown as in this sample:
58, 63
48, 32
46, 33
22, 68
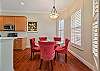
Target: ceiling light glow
22, 2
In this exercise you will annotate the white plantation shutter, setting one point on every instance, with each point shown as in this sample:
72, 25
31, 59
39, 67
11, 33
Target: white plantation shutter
76, 28
95, 33
95, 28
61, 29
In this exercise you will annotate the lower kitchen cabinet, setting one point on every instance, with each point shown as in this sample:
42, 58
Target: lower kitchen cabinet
20, 43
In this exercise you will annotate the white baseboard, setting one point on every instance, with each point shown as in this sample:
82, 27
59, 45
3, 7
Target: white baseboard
82, 60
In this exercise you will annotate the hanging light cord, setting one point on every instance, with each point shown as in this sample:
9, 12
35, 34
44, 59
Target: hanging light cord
54, 8
54, 3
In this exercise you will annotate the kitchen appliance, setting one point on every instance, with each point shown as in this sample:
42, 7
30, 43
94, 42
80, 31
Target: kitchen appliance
9, 27
12, 35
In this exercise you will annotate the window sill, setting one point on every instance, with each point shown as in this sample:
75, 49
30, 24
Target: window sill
77, 46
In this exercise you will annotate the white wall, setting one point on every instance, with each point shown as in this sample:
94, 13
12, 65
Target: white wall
46, 26
0, 55
0, 6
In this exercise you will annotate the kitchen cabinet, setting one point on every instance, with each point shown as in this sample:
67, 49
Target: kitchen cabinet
1, 23
6, 54
9, 20
20, 43
20, 23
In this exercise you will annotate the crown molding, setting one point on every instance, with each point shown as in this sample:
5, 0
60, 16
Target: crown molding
16, 11
27, 12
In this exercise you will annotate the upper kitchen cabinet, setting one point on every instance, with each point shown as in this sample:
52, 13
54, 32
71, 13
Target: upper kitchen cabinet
20, 23
1, 23
9, 20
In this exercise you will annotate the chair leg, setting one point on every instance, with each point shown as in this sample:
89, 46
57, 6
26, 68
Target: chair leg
47, 66
65, 57
51, 66
31, 55
41, 63
55, 56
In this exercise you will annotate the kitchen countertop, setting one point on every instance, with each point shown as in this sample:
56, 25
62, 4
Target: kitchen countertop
9, 37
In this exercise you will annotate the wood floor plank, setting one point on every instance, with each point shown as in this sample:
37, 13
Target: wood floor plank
22, 62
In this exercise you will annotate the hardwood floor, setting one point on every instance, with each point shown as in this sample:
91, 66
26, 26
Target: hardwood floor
22, 62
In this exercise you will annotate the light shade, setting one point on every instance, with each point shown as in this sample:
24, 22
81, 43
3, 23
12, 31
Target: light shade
53, 14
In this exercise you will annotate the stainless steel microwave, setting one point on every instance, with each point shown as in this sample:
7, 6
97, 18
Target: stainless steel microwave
9, 27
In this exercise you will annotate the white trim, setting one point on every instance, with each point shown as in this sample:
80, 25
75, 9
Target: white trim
27, 12
16, 11
96, 62
82, 60
77, 46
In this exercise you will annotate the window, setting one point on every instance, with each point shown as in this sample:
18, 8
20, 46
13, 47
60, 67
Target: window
95, 27
61, 29
76, 28
95, 33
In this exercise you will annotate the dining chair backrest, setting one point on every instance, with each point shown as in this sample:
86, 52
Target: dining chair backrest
47, 51
32, 42
43, 38
66, 42
57, 38
34, 47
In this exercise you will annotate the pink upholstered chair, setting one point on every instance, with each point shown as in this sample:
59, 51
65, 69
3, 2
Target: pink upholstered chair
34, 47
42, 38
47, 52
57, 40
63, 49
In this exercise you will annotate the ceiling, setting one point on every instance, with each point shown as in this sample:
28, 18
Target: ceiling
33, 5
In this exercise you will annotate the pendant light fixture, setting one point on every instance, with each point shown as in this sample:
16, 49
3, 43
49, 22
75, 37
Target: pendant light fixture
22, 2
53, 14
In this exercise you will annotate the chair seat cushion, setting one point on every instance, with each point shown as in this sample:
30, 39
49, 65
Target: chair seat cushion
57, 45
36, 49
61, 50
36, 45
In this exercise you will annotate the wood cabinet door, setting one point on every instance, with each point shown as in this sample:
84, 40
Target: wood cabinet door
19, 43
9, 20
20, 23
1, 23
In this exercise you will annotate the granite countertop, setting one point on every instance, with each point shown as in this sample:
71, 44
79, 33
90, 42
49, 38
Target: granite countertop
8, 37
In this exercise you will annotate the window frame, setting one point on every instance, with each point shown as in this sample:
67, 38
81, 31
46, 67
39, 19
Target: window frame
60, 29
95, 29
